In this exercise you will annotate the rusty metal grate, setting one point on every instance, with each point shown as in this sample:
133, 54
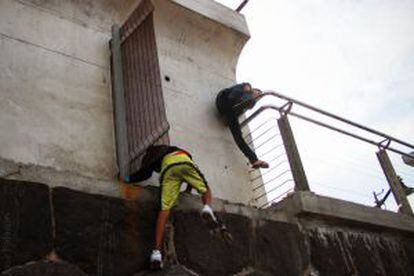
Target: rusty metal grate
144, 117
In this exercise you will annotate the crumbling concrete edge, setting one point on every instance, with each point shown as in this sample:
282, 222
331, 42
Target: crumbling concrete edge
306, 206
54, 178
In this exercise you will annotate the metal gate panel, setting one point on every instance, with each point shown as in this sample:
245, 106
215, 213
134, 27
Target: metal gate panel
144, 117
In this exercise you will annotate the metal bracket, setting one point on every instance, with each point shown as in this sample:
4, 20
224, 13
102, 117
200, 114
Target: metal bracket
384, 144
285, 109
241, 6
380, 202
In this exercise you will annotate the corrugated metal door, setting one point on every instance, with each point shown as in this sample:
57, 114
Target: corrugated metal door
143, 121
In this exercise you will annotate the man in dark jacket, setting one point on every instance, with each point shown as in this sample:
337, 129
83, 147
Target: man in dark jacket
175, 166
233, 102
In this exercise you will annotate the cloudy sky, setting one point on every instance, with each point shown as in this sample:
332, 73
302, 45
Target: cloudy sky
354, 58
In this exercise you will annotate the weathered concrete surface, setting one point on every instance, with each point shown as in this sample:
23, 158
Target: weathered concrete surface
411, 200
49, 175
310, 206
25, 222
45, 268
91, 14
218, 13
55, 97
55, 100
198, 49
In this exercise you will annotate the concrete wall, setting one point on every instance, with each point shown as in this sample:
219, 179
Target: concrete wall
198, 44
55, 89
55, 97
55, 106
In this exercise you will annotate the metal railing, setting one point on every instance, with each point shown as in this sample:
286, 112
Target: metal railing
385, 143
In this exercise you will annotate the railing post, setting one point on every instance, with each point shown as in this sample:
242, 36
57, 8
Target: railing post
301, 183
394, 183
118, 95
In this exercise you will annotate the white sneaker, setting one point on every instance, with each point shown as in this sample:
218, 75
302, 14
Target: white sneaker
156, 259
208, 215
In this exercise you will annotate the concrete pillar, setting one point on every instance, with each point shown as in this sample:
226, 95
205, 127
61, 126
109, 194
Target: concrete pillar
394, 183
292, 152
199, 43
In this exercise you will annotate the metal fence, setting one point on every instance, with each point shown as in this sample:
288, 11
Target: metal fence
140, 116
272, 137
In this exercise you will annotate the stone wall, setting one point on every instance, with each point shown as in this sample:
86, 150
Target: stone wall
45, 231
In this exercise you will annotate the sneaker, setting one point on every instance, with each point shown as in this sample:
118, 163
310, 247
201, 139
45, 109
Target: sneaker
208, 216
156, 259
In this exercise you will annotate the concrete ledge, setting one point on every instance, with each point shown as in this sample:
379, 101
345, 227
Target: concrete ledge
218, 13
307, 204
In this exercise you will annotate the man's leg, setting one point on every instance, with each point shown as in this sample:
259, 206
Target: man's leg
170, 189
206, 197
156, 256
192, 175
195, 178
160, 228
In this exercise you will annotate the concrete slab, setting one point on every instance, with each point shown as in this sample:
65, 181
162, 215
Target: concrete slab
217, 12
309, 205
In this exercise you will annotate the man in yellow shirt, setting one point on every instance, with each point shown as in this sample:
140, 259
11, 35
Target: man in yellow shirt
175, 166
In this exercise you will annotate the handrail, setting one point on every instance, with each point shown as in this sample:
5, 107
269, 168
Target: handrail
296, 167
265, 107
276, 94
290, 100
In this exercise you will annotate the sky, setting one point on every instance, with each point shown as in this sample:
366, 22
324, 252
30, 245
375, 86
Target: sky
353, 58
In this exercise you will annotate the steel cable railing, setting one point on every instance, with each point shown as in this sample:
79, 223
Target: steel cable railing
267, 142
260, 137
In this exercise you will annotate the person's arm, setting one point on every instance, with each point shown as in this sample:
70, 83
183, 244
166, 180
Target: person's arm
141, 175
238, 138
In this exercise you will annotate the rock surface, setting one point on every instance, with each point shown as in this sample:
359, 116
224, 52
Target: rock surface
280, 248
206, 254
25, 222
45, 268
102, 234
99, 235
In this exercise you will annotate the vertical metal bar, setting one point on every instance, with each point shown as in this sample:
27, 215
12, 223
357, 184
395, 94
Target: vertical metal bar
394, 183
260, 188
301, 183
241, 6
118, 95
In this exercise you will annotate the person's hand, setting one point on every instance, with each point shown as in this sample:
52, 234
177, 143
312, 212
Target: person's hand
260, 164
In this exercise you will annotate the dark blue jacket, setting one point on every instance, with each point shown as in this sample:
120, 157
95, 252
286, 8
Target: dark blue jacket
231, 103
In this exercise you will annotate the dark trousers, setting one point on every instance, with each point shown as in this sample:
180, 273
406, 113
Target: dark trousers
231, 118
